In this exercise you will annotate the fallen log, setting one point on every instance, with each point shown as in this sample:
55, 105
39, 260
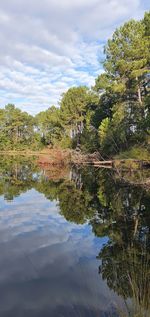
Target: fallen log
103, 163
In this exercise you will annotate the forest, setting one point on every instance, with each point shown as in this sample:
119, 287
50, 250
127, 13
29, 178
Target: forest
112, 117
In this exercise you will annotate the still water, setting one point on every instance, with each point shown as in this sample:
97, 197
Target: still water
72, 243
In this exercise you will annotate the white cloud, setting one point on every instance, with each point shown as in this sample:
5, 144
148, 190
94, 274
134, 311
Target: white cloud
48, 46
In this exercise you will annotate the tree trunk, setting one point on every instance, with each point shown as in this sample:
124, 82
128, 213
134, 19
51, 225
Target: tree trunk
136, 225
139, 92
139, 95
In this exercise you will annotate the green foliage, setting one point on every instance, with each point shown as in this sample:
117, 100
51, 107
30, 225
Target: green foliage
104, 130
16, 128
73, 106
124, 88
136, 152
77, 108
49, 126
89, 140
66, 142
146, 22
127, 57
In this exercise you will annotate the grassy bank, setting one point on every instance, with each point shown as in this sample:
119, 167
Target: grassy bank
136, 152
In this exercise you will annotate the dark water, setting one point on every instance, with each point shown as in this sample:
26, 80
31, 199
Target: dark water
72, 243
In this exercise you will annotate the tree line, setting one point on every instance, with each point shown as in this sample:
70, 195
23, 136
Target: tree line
111, 117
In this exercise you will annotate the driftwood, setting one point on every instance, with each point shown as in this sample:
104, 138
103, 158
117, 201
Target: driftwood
125, 164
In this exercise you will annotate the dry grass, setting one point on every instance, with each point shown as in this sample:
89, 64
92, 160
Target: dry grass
54, 157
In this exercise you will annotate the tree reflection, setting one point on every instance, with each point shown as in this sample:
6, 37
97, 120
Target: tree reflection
75, 204
17, 175
125, 259
111, 208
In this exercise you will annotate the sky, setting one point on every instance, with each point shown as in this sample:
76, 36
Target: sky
48, 46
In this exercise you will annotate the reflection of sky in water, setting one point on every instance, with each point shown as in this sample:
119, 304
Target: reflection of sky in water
48, 266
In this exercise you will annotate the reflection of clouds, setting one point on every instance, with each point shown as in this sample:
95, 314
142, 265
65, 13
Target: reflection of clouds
28, 213
47, 265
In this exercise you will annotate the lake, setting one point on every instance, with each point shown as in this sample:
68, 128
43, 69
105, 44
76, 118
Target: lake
73, 242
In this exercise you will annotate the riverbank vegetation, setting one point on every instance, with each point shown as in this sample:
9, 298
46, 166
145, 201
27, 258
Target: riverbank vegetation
112, 117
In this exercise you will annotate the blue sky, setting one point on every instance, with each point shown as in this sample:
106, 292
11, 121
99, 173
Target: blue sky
50, 45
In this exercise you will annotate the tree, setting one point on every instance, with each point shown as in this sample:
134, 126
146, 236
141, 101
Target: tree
49, 125
17, 128
127, 60
73, 107
124, 87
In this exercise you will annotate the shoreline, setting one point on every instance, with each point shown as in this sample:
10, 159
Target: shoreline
126, 170
59, 156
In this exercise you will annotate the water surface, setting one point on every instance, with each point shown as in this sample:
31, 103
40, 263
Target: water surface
72, 243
